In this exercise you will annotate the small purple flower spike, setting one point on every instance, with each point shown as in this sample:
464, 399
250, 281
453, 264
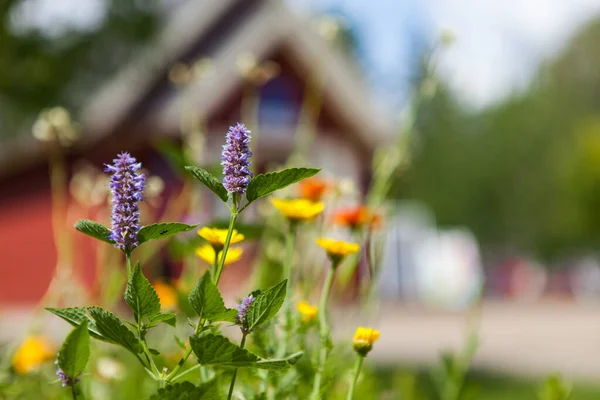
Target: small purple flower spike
235, 159
242, 308
127, 185
65, 380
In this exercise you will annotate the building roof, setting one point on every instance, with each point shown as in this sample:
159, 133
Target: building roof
221, 30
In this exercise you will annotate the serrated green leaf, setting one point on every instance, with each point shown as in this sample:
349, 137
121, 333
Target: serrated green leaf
141, 297
265, 184
265, 305
75, 316
188, 391
75, 351
94, 229
209, 181
162, 230
167, 318
211, 349
218, 350
111, 327
229, 315
206, 300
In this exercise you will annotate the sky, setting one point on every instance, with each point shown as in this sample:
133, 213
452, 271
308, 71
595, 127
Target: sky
499, 43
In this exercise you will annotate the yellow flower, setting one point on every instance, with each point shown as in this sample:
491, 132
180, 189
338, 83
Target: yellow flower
207, 253
298, 209
364, 339
32, 352
167, 295
307, 311
337, 249
216, 237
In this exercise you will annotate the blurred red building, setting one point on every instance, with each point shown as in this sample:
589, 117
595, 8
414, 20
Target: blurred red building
141, 104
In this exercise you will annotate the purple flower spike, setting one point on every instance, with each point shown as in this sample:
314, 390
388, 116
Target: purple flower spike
242, 308
127, 185
235, 159
65, 380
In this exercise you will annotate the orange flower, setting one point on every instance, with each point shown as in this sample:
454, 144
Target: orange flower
313, 189
356, 217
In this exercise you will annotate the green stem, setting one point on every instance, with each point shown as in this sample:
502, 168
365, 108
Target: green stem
324, 333
357, 367
234, 215
149, 357
187, 354
217, 277
187, 371
215, 265
243, 342
74, 392
128, 262
288, 274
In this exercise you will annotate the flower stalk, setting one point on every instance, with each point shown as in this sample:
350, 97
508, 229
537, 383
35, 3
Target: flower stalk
356, 374
232, 384
324, 331
219, 271
288, 269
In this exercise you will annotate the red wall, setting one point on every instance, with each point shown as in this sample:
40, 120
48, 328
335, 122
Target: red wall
27, 254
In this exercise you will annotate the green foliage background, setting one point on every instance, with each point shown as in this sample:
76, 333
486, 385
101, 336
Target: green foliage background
523, 174
41, 70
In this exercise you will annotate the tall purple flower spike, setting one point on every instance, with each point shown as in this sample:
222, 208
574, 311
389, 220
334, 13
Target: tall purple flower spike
235, 159
242, 308
65, 380
127, 185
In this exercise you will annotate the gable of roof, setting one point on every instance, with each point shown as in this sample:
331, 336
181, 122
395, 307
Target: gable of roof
221, 30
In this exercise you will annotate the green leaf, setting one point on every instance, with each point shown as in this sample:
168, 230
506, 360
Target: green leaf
206, 300
278, 365
162, 230
111, 327
229, 315
94, 229
141, 297
167, 318
75, 316
188, 391
265, 184
265, 305
209, 181
75, 351
217, 350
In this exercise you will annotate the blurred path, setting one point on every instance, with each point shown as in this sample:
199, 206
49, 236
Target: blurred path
515, 338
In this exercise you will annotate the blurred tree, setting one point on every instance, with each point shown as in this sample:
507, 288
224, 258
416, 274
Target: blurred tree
42, 69
524, 174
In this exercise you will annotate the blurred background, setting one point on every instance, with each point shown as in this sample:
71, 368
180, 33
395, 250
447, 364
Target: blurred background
473, 127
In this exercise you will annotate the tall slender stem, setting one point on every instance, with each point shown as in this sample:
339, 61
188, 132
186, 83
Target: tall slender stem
243, 342
288, 271
74, 392
234, 215
324, 333
217, 277
357, 367
215, 266
128, 262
